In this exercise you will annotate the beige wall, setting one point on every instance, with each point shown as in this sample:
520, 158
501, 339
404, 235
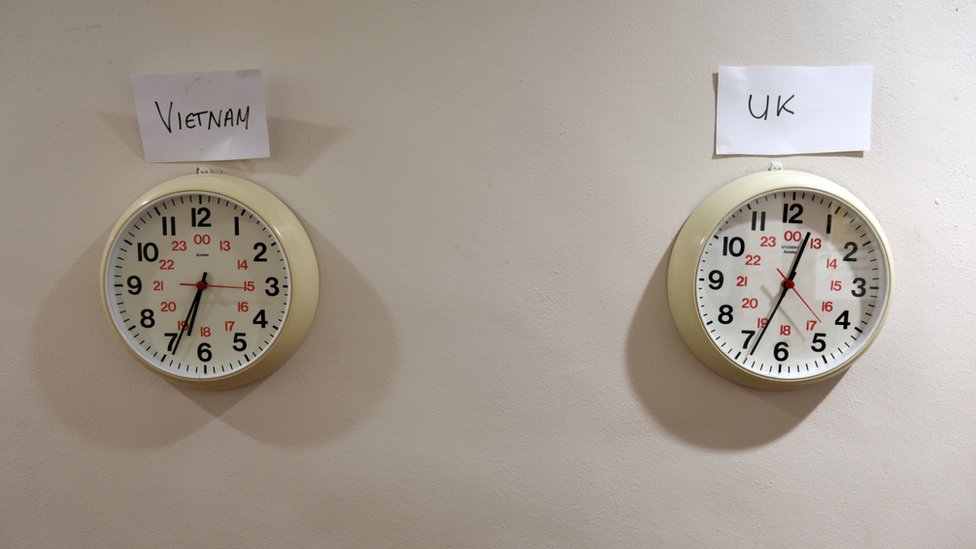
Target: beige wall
492, 188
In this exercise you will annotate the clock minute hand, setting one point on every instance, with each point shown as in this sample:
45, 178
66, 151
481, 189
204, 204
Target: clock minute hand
786, 284
799, 253
186, 322
191, 314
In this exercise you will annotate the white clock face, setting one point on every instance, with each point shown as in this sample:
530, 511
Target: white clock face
198, 285
792, 284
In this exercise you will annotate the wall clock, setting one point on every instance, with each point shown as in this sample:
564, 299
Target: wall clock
210, 280
779, 279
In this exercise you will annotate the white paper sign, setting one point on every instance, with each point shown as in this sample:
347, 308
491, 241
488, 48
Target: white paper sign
201, 115
793, 110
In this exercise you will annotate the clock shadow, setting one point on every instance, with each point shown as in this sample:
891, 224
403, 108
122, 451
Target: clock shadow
88, 378
101, 392
688, 399
334, 381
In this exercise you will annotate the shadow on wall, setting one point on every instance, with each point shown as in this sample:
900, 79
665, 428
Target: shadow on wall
295, 144
340, 374
692, 402
335, 380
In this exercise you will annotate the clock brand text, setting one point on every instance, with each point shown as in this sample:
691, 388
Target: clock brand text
206, 119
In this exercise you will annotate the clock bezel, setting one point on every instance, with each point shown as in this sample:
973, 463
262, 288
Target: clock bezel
296, 248
690, 243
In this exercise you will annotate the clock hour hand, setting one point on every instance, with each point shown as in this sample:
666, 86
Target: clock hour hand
201, 286
769, 318
785, 285
191, 314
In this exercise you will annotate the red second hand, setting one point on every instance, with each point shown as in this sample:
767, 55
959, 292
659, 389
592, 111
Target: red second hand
206, 285
790, 285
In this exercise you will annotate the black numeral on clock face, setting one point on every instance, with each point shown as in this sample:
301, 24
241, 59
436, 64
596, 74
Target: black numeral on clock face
171, 345
204, 353
240, 344
781, 351
792, 213
169, 225
843, 320
819, 344
734, 246
147, 319
135, 284
761, 218
725, 314
715, 279
200, 217
147, 251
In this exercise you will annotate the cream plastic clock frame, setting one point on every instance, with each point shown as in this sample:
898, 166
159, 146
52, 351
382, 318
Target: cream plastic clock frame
690, 243
298, 252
